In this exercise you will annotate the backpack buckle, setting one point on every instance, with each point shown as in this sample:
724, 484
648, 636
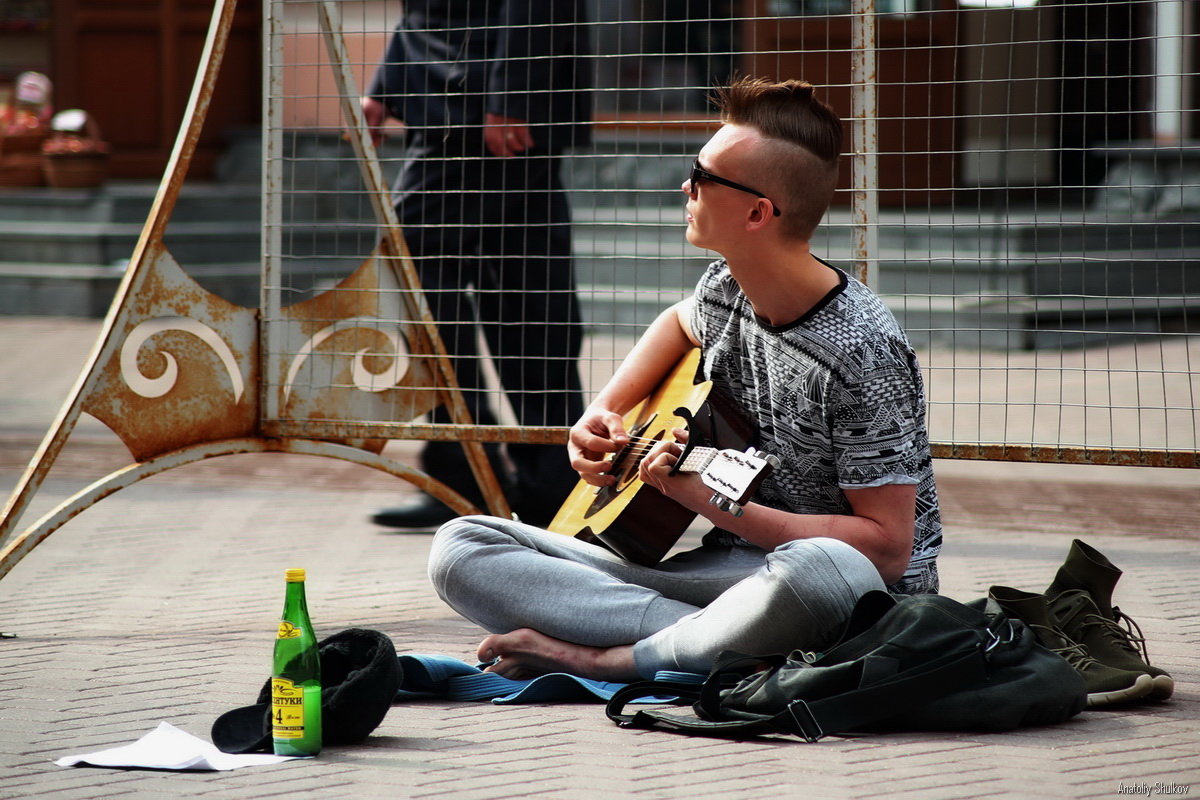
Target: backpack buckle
805, 723
996, 640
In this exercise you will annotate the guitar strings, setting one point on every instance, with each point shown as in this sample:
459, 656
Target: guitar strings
643, 440
640, 445
638, 448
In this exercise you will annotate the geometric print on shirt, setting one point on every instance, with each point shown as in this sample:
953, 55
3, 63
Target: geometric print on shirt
837, 396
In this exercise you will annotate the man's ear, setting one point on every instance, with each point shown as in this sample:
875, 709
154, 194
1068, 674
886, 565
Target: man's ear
759, 215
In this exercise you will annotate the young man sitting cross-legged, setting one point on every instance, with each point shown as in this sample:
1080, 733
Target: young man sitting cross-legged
822, 369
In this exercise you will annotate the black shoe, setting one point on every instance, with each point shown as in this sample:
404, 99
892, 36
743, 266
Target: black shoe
536, 514
423, 512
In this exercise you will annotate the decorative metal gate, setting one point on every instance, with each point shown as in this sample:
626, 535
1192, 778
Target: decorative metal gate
1020, 187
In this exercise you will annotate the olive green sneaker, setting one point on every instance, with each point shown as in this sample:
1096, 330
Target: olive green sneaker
1106, 685
1080, 599
1106, 640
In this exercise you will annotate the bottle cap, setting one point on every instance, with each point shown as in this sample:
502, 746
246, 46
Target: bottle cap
294, 575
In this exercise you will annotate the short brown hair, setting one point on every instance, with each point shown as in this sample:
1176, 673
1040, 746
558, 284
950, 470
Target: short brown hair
788, 112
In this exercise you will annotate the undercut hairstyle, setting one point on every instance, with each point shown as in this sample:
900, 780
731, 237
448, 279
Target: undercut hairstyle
804, 169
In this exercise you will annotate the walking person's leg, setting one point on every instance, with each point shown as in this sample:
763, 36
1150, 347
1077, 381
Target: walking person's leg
531, 318
440, 195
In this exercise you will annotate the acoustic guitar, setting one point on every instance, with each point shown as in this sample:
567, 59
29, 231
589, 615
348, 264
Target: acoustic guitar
637, 521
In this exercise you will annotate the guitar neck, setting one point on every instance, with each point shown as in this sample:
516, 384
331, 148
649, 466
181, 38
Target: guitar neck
698, 459
732, 475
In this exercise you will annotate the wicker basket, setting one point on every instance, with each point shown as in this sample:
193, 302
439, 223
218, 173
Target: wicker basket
75, 170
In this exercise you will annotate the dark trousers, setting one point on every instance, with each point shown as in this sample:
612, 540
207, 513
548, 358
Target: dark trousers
491, 241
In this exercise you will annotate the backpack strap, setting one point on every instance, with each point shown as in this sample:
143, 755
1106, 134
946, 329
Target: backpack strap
684, 694
846, 712
681, 693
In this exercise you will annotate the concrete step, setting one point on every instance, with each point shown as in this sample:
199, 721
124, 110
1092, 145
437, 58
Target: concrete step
1160, 273
99, 243
82, 290
979, 320
1101, 274
1035, 323
1015, 281
641, 246
129, 202
662, 216
1119, 274
1110, 236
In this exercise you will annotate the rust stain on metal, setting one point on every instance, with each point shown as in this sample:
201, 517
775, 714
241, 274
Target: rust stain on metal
337, 431
1100, 456
865, 140
358, 323
182, 368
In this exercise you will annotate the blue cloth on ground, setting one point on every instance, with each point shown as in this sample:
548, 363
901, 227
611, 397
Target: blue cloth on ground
449, 678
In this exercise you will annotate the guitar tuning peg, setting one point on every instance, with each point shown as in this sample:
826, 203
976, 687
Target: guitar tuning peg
725, 504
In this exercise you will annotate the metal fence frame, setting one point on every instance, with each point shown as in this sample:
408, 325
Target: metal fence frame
234, 398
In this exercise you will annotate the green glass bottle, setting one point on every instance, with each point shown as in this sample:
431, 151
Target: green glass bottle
296, 677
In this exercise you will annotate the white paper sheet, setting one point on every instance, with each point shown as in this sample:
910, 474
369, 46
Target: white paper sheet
168, 747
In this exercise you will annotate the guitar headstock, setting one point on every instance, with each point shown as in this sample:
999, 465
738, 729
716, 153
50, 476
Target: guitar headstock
734, 477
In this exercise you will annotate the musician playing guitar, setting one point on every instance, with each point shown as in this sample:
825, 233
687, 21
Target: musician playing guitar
833, 388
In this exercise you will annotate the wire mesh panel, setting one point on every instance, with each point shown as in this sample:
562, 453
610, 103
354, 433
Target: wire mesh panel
1026, 202
1047, 269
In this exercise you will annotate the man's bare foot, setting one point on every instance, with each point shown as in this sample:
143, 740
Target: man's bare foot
526, 653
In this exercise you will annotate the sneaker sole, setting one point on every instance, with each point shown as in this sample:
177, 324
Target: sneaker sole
1163, 687
1142, 687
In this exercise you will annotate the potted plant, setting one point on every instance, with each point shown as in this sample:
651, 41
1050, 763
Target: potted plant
23, 128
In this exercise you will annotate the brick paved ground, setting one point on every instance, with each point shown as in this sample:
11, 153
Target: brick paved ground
160, 603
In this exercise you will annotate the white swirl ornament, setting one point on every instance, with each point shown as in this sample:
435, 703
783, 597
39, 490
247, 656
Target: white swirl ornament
157, 387
364, 380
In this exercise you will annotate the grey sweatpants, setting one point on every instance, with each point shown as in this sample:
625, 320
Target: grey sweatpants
680, 615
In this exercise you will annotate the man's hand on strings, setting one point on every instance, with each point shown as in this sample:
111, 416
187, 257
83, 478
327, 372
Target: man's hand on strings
597, 435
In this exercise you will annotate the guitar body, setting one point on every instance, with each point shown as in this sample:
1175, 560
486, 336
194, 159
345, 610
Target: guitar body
634, 520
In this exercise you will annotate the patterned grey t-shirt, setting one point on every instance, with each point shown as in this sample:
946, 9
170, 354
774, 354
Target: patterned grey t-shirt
837, 395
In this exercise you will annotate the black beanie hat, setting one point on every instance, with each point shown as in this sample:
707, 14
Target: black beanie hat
360, 676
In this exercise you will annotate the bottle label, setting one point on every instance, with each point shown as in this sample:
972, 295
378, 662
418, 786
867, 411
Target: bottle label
287, 631
287, 709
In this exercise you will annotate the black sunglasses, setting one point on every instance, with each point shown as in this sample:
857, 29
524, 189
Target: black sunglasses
700, 174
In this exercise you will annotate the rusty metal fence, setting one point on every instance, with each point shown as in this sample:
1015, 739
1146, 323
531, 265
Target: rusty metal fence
1019, 184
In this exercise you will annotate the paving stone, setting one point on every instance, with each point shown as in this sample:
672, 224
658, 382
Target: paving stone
160, 603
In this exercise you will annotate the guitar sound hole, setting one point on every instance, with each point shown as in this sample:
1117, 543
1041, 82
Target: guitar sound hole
629, 470
625, 468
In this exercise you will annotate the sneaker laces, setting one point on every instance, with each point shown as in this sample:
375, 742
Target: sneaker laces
1129, 637
1075, 654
